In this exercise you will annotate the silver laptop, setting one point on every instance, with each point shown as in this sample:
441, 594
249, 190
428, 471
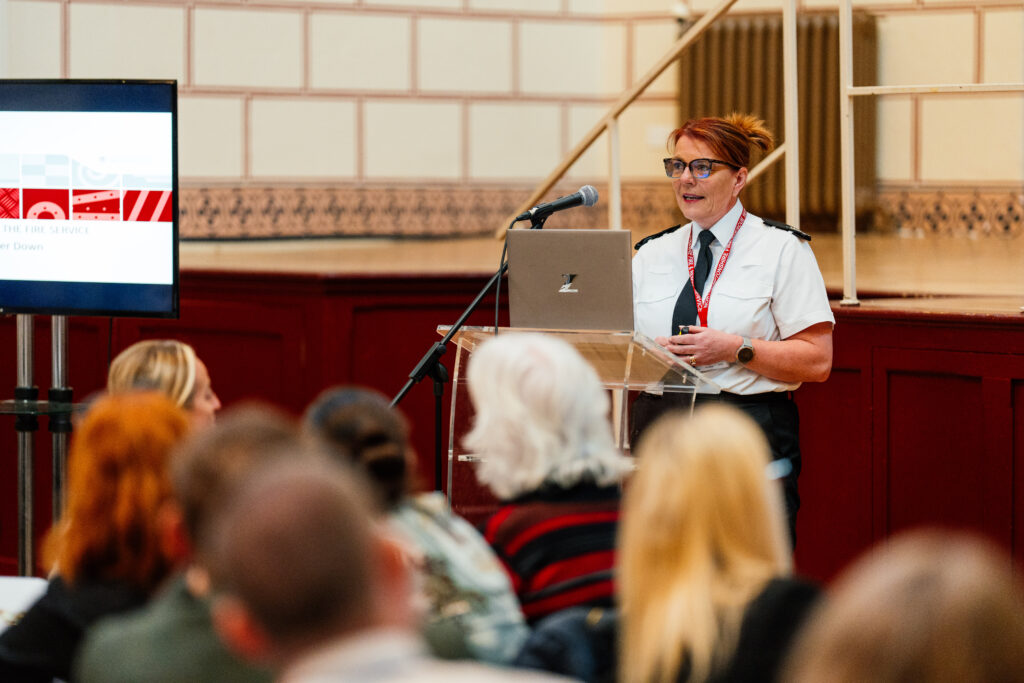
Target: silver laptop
570, 279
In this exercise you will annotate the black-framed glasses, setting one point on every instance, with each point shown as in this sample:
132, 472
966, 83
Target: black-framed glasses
699, 168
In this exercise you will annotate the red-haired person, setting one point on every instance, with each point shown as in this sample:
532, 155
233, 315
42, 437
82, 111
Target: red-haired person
738, 297
106, 551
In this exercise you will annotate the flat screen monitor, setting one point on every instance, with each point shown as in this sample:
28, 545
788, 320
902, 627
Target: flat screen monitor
89, 197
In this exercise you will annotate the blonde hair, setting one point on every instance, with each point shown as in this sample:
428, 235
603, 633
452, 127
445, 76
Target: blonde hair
702, 532
929, 606
163, 365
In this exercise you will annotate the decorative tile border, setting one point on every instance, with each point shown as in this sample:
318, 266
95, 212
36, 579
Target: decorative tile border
438, 211
957, 213
222, 213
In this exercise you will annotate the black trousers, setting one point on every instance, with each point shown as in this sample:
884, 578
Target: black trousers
776, 413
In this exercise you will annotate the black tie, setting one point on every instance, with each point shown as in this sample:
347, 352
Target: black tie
685, 312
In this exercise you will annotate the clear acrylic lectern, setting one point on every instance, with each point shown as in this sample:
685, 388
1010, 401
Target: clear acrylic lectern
624, 361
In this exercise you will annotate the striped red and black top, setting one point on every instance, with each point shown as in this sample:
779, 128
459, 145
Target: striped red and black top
558, 546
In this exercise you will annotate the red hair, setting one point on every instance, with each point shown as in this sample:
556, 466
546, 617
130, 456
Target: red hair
729, 137
118, 479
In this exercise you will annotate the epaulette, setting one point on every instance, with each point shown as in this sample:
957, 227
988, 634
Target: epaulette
656, 235
788, 228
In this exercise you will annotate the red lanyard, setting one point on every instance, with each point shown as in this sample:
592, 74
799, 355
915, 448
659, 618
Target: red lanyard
702, 305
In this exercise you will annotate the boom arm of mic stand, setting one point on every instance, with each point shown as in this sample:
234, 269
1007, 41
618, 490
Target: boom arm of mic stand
433, 356
431, 365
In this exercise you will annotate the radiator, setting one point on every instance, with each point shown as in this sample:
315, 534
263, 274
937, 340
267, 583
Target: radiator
737, 66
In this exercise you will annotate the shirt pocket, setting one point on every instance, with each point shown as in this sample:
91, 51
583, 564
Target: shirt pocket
657, 284
747, 304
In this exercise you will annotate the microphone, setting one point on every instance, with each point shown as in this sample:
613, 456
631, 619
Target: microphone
586, 195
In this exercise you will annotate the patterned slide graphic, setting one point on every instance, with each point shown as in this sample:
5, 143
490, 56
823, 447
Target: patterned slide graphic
147, 205
84, 176
10, 205
95, 205
45, 170
46, 204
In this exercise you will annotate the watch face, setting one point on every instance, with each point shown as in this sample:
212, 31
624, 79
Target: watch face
745, 354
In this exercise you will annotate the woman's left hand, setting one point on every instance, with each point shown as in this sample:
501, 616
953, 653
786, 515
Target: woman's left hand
702, 345
802, 357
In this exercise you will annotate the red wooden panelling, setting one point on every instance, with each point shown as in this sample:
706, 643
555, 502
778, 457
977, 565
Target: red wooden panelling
834, 522
922, 421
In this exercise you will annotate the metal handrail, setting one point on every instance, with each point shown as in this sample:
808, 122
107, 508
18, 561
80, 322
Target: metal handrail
846, 174
627, 98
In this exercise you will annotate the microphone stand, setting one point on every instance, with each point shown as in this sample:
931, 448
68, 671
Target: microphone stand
430, 365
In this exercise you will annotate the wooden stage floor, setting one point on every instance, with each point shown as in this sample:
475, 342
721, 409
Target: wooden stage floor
940, 275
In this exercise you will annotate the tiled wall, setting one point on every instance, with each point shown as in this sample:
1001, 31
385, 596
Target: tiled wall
324, 105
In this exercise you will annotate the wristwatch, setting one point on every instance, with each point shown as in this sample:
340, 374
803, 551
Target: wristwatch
745, 354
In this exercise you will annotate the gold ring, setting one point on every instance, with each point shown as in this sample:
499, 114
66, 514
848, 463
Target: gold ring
693, 360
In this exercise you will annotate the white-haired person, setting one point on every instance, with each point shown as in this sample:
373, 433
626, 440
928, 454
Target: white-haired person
170, 367
928, 606
705, 585
543, 434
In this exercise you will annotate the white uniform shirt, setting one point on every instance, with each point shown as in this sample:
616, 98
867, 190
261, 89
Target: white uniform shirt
771, 288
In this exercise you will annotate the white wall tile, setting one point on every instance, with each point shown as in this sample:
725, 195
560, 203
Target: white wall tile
978, 138
210, 136
926, 48
360, 51
587, 6
32, 42
1003, 46
513, 141
516, 5
442, 4
585, 58
644, 128
465, 55
651, 40
243, 47
118, 41
623, 7
894, 142
303, 138
820, 4
702, 6
593, 165
417, 140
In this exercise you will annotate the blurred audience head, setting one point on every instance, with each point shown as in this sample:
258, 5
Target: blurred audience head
361, 427
703, 529
298, 563
927, 606
542, 417
211, 464
118, 480
170, 367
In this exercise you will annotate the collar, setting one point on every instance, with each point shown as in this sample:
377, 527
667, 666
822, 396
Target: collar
725, 225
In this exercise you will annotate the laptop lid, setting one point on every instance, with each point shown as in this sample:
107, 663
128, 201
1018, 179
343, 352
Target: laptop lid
570, 279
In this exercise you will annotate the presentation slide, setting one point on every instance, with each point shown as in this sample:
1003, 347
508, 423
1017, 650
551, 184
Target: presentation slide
86, 197
88, 219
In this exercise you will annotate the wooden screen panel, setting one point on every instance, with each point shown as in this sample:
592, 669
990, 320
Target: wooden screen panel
943, 441
1017, 426
834, 522
253, 350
